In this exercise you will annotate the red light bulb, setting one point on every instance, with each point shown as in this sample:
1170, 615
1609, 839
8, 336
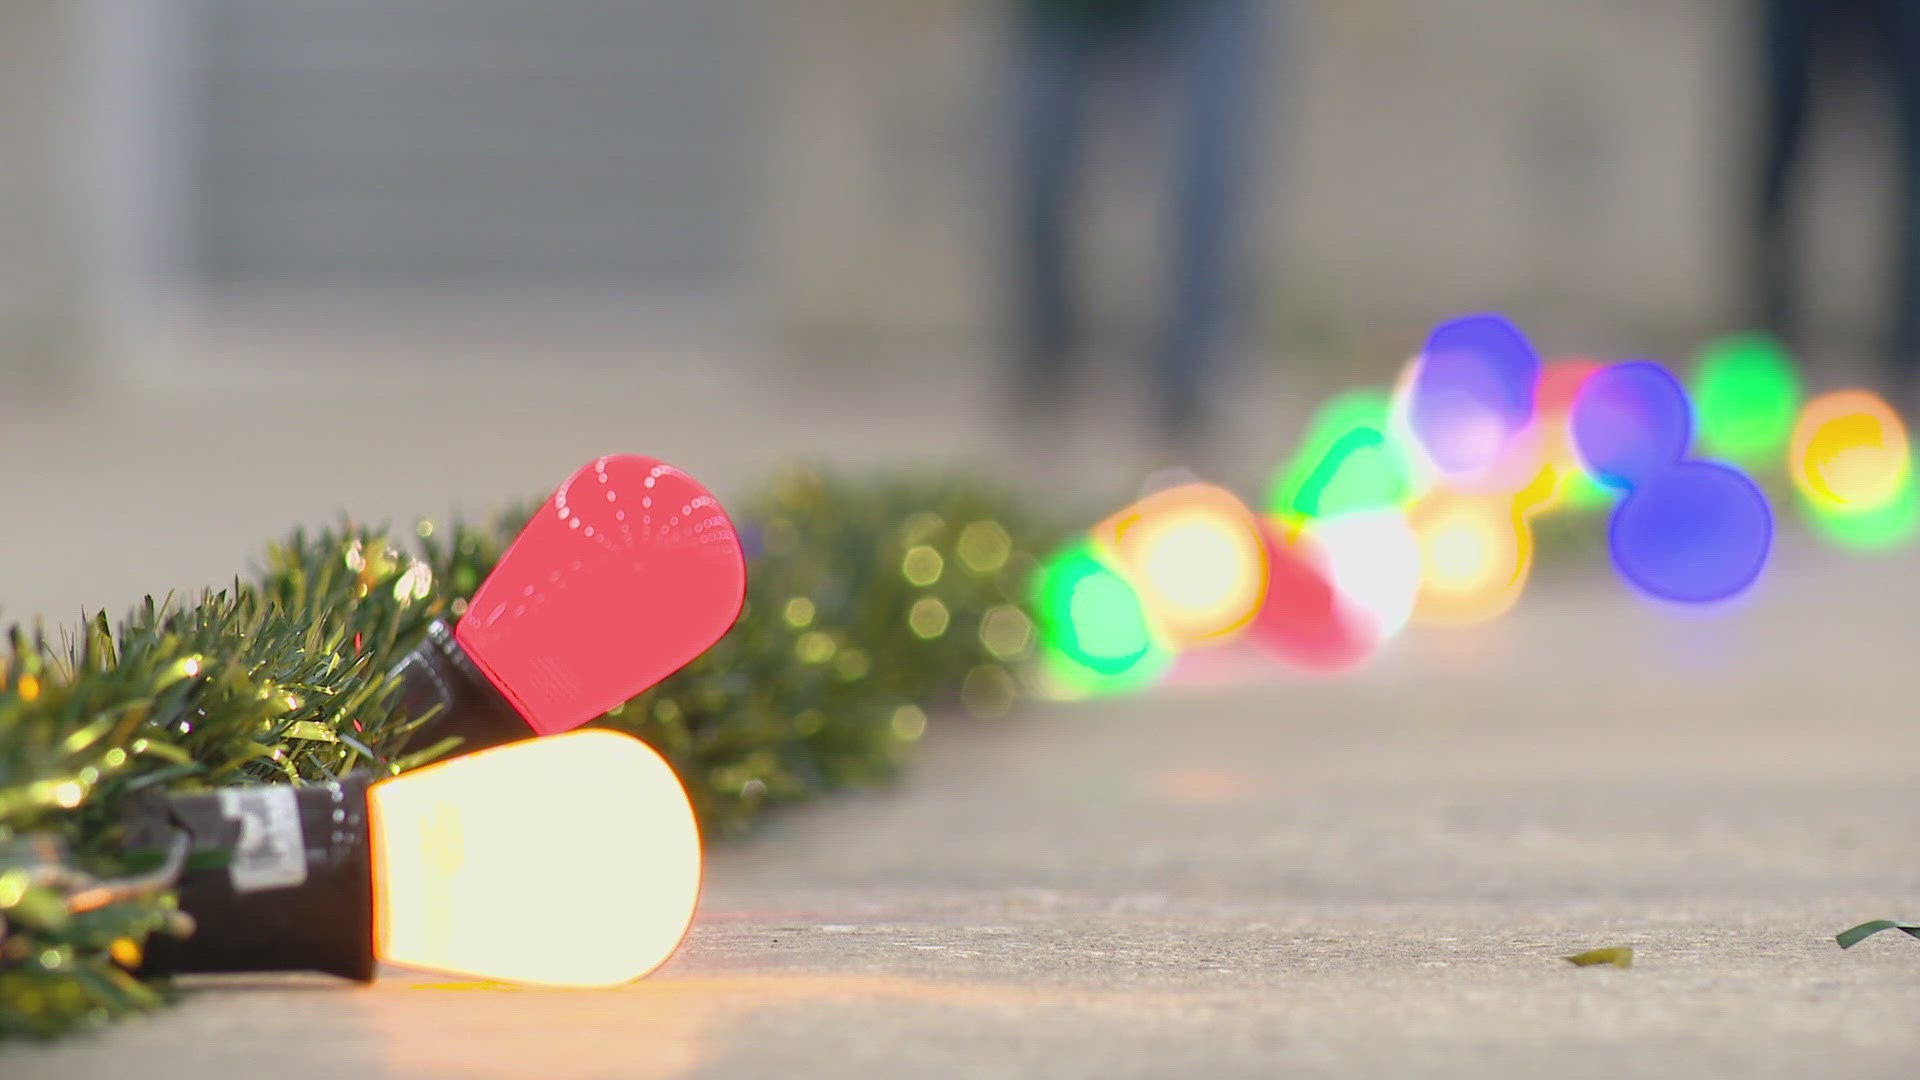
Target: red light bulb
626, 573
629, 571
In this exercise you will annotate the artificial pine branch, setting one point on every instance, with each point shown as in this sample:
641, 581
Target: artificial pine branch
868, 603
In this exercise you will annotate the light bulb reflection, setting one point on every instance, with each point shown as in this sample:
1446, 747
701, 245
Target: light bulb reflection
572, 861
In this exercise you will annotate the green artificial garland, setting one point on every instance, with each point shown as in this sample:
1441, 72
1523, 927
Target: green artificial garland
868, 605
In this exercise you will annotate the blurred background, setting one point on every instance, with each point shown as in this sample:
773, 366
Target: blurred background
263, 263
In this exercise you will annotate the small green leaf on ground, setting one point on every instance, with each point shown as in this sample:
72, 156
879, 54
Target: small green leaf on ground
1849, 938
1618, 956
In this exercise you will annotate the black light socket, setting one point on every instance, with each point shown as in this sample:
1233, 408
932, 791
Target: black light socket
278, 878
439, 675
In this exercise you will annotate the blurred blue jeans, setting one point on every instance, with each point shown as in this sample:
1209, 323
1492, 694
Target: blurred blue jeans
1795, 41
1209, 52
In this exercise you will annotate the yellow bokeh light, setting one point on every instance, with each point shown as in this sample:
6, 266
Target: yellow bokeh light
1191, 563
1850, 452
852, 664
126, 952
988, 690
1463, 551
1006, 631
922, 566
813, 647
1195, 556
928, 618
13, 886
909, 723
984, 546
572, 860
1476, 551
799, 612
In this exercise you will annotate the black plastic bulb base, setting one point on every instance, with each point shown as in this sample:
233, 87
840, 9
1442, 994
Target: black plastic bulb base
440, 677
278, 878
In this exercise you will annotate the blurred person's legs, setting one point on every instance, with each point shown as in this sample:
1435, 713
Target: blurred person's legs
1054, 56
1787, 47
1901, 23
1795, 34
1215, 46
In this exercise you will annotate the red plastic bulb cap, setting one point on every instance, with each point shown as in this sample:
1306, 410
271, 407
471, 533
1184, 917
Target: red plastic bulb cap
628, 572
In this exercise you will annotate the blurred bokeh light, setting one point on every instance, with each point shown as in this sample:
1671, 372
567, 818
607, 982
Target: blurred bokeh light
1473, 393
1094, 633
1852, 466
1746, 397
1195, 554
1696, 532
1348, 460
1630, 421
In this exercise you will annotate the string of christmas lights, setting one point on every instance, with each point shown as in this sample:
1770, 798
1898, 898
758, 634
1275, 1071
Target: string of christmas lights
1418, 503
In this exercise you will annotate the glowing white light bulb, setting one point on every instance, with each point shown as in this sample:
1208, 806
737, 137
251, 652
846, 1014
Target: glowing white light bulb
572, 860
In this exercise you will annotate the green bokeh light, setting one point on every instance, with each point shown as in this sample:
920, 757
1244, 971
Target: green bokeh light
1746, 396
1347, 461
1883, 528
1094, 631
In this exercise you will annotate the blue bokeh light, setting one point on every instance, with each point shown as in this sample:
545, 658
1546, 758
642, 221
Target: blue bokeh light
1630, 422
1695, 532
1473, 392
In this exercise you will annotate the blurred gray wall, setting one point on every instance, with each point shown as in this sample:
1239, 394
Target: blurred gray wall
833, 170
471, 141
47, 286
